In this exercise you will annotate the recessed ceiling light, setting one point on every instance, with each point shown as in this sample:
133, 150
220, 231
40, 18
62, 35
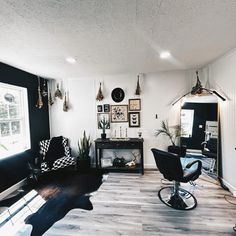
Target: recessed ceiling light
164, 55
71, 60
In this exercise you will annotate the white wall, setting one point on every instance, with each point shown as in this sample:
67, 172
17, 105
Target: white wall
222, 75
81, 113
158, 91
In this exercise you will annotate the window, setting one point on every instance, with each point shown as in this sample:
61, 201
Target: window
186, 117
14, 120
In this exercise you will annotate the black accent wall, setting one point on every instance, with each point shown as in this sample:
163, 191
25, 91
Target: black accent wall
14, 168
202, 113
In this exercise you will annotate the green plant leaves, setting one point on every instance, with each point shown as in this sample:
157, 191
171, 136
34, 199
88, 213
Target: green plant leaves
171, 132
84, 145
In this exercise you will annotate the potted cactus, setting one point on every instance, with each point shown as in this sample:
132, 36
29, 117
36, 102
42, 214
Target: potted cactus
83, 159
104, 124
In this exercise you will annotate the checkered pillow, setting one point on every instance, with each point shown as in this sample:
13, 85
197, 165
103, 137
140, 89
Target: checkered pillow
59, 163
44, 145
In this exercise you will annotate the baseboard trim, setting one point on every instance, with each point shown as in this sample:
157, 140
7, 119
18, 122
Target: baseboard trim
231, 188
12, 189
150, 166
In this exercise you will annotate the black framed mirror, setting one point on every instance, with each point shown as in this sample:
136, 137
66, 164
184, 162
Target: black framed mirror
118, 95
199, 131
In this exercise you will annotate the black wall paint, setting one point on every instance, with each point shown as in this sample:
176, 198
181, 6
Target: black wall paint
202, 113
14, 168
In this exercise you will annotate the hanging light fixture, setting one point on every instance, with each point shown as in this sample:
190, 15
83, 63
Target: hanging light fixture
199, 90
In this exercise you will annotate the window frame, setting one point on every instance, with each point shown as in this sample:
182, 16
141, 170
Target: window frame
23, 118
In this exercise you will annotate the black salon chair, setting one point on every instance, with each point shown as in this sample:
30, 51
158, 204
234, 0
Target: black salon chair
170, 166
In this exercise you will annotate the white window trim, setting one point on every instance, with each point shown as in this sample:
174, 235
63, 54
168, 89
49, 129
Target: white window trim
24, 118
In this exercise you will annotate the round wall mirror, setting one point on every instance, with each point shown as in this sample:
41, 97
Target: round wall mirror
118, 94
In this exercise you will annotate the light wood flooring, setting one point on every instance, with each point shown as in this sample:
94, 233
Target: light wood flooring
127, 204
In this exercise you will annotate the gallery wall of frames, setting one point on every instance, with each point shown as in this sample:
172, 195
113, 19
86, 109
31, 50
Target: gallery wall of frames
121, 109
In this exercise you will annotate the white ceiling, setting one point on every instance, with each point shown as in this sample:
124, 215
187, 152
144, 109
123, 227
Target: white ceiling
114, 36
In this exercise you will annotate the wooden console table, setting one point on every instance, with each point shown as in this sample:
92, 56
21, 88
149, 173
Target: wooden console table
131, 143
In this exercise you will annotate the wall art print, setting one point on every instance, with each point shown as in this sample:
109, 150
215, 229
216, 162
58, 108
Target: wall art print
99, 108
106, 107
134, 119
101, 117
135, 104
119, 113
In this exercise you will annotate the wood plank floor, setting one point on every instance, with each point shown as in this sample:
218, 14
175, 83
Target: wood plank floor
127, 204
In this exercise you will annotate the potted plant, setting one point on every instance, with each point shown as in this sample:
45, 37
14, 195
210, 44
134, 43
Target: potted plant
103, 124
83, 160
173, 133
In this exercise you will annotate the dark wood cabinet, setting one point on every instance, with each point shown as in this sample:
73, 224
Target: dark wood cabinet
131, 143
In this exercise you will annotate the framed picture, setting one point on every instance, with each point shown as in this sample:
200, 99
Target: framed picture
99, 108
135, 104
119, 113
106, 108
106, 117
134, 119
106, 162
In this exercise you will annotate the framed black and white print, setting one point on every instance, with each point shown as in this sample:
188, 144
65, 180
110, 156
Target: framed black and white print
106, 162
134, 119
135, 104
119, 113
106, 107
104, 117
99, 108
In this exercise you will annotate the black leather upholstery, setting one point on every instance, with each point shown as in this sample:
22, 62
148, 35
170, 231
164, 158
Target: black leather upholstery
169, 165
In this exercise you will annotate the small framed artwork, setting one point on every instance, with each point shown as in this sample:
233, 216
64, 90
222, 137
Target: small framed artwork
99, 108
134, 119
119, 113
106, 108
104, 117
135, 104
106, 162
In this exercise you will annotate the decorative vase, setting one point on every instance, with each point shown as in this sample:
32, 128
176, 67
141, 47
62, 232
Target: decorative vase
103, 135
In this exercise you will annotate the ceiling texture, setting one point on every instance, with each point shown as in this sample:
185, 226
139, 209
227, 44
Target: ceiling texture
114, 36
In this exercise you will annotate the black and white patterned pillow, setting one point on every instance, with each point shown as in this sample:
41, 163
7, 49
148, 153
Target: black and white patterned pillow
44, 145
59, 163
